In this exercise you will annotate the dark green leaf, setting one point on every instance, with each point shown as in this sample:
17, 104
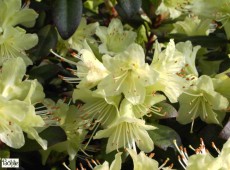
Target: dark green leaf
208, 67
44, 72
129, 9
52, 134
204, 41
150, 6
67, 16
163, 137
224, 65
47, 40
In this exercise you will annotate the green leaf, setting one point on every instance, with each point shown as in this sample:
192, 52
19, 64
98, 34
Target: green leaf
150, 7
47, 40
167, 110
44, 73
163, 137
142, 36
129, 9
208, 67
67, 16
4, 152
53, 135
224, 65
204, 41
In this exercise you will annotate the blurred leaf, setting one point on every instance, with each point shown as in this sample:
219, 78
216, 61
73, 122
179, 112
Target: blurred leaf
227, 29
225, 133
53, 135
93, 5
204, 41
67, 16
224, 65
142, 36
40, 22
95, 50
45, 72
129, 9
163, 137
150, 6
47, 40
207, 67
216, 55
4, 152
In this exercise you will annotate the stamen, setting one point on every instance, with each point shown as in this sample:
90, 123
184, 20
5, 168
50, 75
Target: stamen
214, 146
179, 159
89, 164
98, 162
85, 152
170, 166
151, 155
82, 168
62, 58
191, 129
77, 73
98, 124
156, 110
46, 113
190, 146
165, 162
78, 56
183, 153
95, 163
202, 146
70, 79
66, 166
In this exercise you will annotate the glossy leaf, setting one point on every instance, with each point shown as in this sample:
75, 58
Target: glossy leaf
129, 9
47, 40
53, 135
167, 110
163, 137
67, 16
44, 72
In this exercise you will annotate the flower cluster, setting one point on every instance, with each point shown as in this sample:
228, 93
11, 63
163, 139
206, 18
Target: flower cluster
118, 88
200, 15
64, 115
14, 40
17, 106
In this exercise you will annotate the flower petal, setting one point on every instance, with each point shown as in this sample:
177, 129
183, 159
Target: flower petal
12, 134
